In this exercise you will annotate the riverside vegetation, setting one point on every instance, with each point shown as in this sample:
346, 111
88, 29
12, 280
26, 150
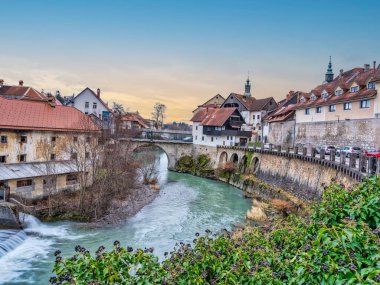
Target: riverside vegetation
337, 244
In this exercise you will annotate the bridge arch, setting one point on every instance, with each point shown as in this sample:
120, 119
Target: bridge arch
243, 164
223, 158
254, 165
234, 159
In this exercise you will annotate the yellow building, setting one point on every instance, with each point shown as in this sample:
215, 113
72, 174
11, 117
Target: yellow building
43, 146
351, 95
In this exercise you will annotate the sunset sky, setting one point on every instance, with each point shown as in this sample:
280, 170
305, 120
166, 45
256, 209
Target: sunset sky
181, 52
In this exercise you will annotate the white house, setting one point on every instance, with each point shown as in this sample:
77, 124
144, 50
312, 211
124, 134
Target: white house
219, 126
89, 103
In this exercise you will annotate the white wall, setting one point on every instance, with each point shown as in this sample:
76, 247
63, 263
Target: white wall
88, 96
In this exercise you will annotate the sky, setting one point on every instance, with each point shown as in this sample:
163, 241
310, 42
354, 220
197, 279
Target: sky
181, 53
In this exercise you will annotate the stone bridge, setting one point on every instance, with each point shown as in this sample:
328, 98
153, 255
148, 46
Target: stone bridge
174, 149
290, 168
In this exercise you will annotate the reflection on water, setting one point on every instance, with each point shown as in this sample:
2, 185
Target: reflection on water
185, 205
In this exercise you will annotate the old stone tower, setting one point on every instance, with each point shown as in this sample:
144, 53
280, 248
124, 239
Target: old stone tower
247, 88
329, 76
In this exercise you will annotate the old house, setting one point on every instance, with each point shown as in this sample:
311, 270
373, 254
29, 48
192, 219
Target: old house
214, 102
252, 109
219, 126
349, 96
91, 103
42, 145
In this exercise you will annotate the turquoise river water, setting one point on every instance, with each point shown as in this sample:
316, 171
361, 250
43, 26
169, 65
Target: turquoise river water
185, 205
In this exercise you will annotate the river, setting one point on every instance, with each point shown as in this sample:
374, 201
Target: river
184, 206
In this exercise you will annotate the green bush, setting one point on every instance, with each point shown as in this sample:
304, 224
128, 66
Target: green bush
199, 166
338, 244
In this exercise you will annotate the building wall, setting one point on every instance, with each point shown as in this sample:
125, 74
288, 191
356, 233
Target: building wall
313, 116
38, 147
282, 133
362, 133
88, 96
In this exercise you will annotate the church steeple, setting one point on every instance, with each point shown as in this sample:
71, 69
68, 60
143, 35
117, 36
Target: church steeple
247, 87
329, 76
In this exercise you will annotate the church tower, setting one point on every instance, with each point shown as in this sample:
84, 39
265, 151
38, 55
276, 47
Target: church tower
247, 88
329, 76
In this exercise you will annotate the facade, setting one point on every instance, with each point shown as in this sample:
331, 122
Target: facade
253, 110
40, 146
134, 121
351, 95
90, 103
219, 126
214, 102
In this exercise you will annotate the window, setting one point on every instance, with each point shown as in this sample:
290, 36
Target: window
365, 104
71, 179
203, 138
313, 97
319, 109
212, 139
347, 106
53, 139
253, 117
258, 116
332, 108
4, 139
74, 155
196, 137
88, 139
371, 85
3, 159
23, 139
307, 111
52, 156
302, 100
24, 183
228, 138
94, 105
338, 92
87, 104
254, 128
196, 128
22, 158
75, 139
354, 89
87, 155
86, 113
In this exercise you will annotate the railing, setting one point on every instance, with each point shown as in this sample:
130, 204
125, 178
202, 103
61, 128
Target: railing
247, 134
356, 166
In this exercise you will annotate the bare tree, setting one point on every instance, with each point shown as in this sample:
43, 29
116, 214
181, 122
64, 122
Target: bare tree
158, 114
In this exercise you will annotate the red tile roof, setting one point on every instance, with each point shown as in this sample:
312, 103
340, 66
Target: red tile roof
134, 117
213, 116
31, 115
251, 103
21, 92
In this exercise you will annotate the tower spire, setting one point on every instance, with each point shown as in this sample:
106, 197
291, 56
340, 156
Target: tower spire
247, 87
329, 76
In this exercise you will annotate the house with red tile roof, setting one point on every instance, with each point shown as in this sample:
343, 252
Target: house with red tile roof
134, 121
219, 126
349, 96
40, 145
252, 109
215, 101
20, 92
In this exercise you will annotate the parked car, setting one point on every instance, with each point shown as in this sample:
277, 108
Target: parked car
372, 152
327, 148
348, 150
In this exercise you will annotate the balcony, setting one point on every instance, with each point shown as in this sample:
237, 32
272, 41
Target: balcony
234, 133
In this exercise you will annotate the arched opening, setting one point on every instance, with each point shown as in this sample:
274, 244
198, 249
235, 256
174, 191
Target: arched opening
153, 161
254, 165
243, 164
223, 158
234, 159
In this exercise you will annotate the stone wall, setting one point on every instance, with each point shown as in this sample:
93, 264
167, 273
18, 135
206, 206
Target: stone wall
8, 219
361, 133
282, 133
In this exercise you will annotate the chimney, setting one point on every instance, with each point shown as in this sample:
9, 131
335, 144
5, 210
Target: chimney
21, 83
341, 71
366, 67
1, 82
374, 66
98, 92
51, 100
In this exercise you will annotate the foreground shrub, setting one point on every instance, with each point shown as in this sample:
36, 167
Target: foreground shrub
337, 245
